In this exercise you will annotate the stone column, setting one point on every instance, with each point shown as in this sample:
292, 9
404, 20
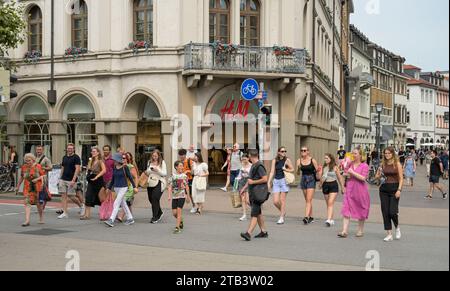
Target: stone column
287, 119
169, 152
58, 133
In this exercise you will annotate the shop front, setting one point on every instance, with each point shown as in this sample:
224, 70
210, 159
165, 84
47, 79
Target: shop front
78, 118
34, 126
228, 119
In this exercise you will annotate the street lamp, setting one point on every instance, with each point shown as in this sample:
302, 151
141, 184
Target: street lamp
379, 108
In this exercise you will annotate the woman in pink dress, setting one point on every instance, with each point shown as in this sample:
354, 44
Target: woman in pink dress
356, 202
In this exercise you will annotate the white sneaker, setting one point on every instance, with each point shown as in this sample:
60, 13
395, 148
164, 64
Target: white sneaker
243, 218
389, 238
63, 215
224, 189
193, 210
398, 234
329, 222
82, 210
280, 221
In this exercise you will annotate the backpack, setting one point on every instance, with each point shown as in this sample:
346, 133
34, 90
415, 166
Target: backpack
260, 193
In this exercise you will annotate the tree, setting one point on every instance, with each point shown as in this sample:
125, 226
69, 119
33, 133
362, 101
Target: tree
12, 27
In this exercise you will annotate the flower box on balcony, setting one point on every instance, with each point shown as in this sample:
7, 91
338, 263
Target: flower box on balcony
139, 44
223, 48
74, 52
283, 51
32, 57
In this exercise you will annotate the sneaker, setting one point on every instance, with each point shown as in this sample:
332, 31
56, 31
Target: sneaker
332, 223
311, 220
243, 218
193, 210
246, 236
444, 196
129, 222
280, 221
262, 235
153, 221
305, 220
160, 217
224, 189
109, 223
389, 238
177, 230
329, 223
398, 234
82, 210
63, 215
59, 211
428, 197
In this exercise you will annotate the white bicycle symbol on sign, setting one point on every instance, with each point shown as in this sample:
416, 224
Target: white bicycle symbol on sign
249, 89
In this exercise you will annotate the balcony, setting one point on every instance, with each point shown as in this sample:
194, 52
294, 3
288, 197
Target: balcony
244, 59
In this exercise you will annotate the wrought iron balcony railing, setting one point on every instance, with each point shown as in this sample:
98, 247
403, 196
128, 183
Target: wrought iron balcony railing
244, 58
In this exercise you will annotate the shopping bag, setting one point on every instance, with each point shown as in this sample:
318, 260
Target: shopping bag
106, 208
236, 201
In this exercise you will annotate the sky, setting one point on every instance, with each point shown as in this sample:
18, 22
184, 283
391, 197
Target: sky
415, 29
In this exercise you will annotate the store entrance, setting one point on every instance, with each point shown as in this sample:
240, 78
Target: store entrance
148, 138
244, 135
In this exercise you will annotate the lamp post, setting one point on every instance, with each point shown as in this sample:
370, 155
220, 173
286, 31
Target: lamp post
379, 108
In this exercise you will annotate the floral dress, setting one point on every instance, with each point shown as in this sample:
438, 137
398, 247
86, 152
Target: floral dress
30, 189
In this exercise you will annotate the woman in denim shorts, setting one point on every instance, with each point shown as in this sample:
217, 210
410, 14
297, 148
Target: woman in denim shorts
280, 188
310, 170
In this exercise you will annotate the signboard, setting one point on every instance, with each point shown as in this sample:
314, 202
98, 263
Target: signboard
249, 89
53, 179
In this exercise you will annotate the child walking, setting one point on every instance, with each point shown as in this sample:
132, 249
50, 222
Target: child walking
178, 194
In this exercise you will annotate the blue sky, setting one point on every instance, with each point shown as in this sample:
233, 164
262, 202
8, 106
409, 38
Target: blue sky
415, 29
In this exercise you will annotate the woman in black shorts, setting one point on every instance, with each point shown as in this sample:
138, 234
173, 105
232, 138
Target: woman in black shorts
329, 184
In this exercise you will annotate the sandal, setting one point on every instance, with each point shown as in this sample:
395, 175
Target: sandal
359, 234
84, 218
25, 224
342, 235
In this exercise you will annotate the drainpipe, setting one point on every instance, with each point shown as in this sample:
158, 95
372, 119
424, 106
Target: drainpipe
312, 100
332, 60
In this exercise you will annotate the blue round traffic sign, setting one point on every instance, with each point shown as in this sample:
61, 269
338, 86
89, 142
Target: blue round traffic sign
249, 89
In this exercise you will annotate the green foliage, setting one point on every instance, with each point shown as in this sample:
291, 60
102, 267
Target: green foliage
12, 27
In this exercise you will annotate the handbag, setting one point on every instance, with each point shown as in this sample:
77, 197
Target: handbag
143, 180
200, 183
236, 201
290, 178
153, 180
106, 208
102, 195
45, 195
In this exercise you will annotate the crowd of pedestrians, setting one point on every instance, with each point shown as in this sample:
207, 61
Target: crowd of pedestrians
115, 175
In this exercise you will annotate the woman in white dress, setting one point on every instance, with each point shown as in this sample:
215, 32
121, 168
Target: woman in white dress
199, 183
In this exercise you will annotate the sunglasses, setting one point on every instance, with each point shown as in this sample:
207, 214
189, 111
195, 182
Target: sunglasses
283, 152
304, 151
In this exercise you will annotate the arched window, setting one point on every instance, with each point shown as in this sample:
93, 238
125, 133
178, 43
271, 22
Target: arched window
143, 20
80, 25
219, 21
35, 29
250, 22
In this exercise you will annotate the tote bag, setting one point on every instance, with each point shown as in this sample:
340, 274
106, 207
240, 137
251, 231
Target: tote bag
106, 208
